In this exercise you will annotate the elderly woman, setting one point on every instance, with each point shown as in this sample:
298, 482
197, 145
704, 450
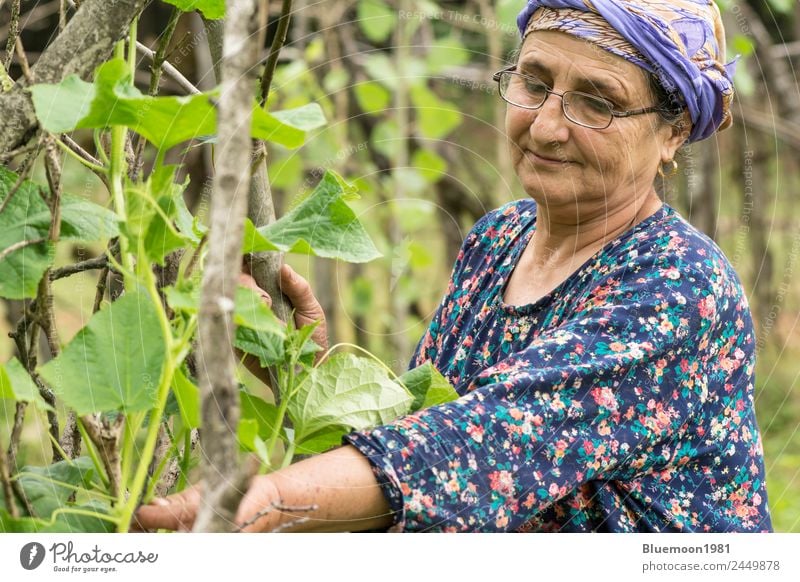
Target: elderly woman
603, 347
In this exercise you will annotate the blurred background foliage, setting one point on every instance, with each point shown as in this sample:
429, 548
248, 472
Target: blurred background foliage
416, 123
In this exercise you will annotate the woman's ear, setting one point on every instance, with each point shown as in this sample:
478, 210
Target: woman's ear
680, 132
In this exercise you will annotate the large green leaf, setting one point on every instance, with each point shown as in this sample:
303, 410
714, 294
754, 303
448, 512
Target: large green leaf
27, 218
436, 118
153, 206
115, 362
322, 225
211, 9
376, 20
321, 441
16, 384
188, 397
428, 386
164, 121
346, 391
47, 488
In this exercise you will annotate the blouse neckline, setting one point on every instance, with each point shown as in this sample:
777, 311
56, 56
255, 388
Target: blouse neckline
521, 242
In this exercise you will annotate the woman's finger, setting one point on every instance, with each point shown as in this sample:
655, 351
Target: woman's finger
248, 281
256, 512
299, 292
176, 512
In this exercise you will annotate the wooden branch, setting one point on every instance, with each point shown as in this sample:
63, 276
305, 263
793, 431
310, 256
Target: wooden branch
13, 32
100, 262
277, 44
169, 70
8, 490
106, 437
264, 266
85, 43
221, 274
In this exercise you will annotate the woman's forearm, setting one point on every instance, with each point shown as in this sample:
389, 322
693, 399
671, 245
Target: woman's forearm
342, 486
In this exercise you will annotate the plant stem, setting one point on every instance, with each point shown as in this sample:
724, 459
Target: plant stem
156, 414
117, 172
86, 163
98, 465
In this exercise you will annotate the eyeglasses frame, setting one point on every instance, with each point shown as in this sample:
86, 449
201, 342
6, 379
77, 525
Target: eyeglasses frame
549, 91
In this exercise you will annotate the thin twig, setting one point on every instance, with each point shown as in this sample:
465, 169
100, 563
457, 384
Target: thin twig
100, 262
280, 507
156, 68
275, 50
102, 280
19, 245
24, 169
62, 15
13, 32
194, 257
169, 70
8, 490
75, 147
23, 61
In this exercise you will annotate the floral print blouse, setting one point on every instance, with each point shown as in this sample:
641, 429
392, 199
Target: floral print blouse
621, 401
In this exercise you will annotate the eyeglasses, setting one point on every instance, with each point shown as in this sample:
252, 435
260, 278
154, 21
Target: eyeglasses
584, 109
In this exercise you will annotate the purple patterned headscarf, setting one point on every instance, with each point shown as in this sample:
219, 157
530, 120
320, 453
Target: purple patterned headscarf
681, 41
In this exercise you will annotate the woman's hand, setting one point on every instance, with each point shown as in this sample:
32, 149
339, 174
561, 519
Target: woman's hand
306, 307
179, 511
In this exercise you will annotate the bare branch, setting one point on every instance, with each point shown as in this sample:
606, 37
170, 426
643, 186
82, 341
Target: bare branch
100, 262
277, 44
169, 70
106, 437
220, 276
19, 245
86, 42
13, 32
8, 490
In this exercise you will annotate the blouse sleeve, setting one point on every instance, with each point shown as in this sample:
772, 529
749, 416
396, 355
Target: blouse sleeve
591, 399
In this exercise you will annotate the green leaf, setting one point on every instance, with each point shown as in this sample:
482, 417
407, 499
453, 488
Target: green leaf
376, 20
115, 362
306, 117
261, 412
16, 384
386, 138
372, 97
27, 218
321, 441
335, 80
436, 118
323, 225
380, 68
251, 311
428, 386
346, 391
429, 164
47, 488
164, 121
44, 486
188, 398
446, 52
211, 9
268, 347
253, 241
743, 45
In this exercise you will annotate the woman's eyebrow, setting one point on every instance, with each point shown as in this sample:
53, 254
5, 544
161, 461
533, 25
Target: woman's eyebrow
611, 90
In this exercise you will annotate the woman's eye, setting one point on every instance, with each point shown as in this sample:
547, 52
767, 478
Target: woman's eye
598, 104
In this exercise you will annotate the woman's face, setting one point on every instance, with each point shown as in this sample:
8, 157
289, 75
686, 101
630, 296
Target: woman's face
562, 164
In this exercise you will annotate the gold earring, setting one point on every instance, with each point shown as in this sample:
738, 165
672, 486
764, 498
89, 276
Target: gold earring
672, 171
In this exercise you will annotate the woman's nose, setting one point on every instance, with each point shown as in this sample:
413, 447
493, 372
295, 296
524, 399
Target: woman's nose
550, 124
